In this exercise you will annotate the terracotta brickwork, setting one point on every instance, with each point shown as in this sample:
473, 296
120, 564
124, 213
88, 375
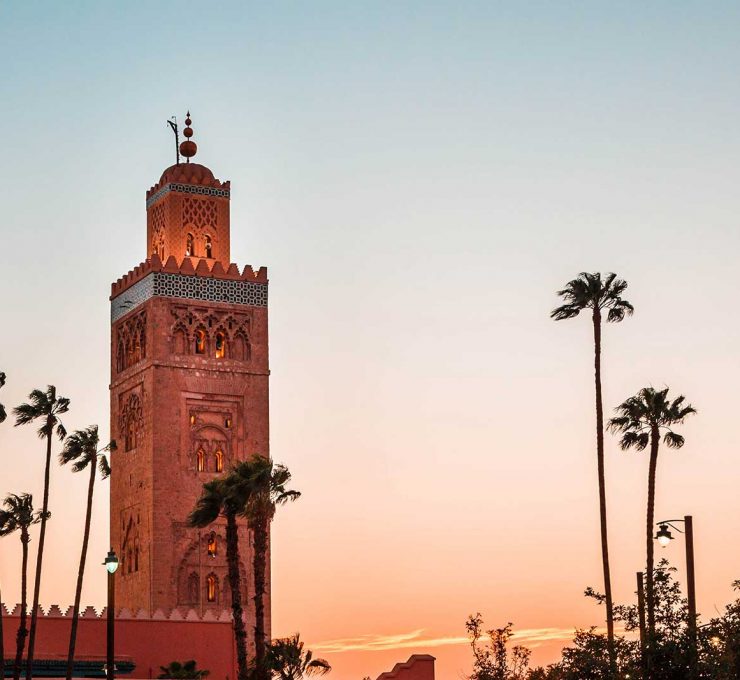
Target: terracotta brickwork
189, 397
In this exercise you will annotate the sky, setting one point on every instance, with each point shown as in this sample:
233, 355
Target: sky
419, 178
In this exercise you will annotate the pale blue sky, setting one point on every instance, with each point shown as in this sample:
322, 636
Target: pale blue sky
419, 178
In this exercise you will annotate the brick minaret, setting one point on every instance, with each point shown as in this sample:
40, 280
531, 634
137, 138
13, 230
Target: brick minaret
189, 394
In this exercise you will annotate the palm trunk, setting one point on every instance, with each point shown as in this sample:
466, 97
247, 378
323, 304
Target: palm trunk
40, 553
80, 574
22, 632
602, 494
232, 558
260, 562
650, 545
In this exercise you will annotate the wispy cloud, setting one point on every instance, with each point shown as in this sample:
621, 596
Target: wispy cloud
530, 637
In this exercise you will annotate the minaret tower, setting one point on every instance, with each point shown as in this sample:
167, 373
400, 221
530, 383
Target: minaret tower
189, 394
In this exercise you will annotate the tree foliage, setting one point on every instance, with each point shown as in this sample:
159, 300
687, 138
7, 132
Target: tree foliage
492, 658
182, 671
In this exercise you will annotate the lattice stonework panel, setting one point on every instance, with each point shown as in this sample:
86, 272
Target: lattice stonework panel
157, 217
200, 212
161, 284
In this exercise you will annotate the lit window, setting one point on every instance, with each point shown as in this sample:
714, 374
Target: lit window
200, 342
201, 460
212, 593
220, 345
192, 418
212, 547
227, 423
209, 247
190, 246
219, 461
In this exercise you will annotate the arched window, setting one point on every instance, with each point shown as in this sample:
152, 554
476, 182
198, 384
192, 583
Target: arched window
200, 342
212, 588
137, 350
209, 247
227, 423
219, 460
190, 246
212, 545
200, 458
220, 345
129, 561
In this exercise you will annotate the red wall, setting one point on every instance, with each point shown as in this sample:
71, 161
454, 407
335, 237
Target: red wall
149, 643
418, 667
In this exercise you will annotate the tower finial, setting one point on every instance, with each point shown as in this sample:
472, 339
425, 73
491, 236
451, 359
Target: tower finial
188, 148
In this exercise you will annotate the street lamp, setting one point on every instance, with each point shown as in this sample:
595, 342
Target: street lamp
664, 537
111, 565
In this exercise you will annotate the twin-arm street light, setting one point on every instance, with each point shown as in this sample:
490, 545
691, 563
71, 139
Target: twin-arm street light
111, 564
664, 537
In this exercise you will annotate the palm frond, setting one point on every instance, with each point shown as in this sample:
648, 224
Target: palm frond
210, 504
673, 440
103, 466
634, 440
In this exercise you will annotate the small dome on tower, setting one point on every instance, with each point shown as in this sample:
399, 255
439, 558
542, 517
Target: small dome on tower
188, 173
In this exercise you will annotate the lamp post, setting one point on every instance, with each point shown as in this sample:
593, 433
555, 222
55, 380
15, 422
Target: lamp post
664, 537
111, 564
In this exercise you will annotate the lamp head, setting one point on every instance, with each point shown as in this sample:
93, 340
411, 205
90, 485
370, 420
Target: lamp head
111, 562
664, 535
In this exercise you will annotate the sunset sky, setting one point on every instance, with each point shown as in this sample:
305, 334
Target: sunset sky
419, 178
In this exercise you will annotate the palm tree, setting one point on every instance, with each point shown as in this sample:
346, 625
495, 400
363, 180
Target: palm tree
182, 671
287, 660
590, 291
266, 482
18, 515
219, 499
82, 447
46, 407
642, 420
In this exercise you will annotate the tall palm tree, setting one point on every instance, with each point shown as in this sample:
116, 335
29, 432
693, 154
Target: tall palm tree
18, 515
267, 484
643, 419
83, 448
287, 660
219, 499
601, 296
2, 649
45, 407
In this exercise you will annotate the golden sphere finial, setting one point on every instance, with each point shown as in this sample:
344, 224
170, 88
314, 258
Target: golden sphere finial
188, 148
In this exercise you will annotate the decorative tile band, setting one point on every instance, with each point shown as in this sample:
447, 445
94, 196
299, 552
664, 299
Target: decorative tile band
187, 189
163, 284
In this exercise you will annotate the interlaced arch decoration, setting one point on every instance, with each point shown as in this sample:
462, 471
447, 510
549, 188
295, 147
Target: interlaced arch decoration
131, 341
225, 335
130, 420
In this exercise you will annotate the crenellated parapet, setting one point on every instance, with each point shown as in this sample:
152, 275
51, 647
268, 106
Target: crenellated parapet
124, 614
181, 279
